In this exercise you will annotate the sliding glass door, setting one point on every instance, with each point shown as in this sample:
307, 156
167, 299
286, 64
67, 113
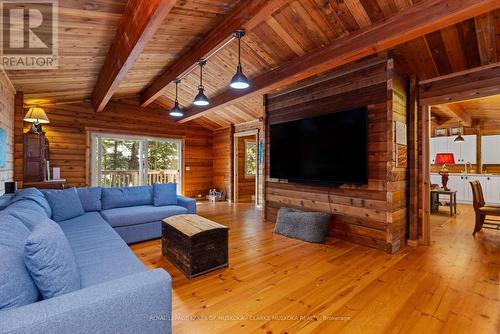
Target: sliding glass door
124, 161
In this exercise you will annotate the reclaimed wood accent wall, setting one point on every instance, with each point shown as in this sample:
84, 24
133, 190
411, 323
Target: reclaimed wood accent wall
374, 215
7, 102
222, 154
69, 124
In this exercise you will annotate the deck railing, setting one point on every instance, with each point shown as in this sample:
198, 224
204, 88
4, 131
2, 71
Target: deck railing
127, 178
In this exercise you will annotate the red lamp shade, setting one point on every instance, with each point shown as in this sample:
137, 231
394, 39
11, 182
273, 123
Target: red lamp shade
445, 159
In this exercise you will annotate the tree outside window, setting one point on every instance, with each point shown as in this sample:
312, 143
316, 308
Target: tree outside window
250, 158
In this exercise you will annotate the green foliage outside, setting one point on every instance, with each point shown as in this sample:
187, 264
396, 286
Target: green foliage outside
250, 158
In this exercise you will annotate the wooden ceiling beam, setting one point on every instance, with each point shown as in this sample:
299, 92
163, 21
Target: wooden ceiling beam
455, 111
418, 20
247, 15
138, 24
475, 83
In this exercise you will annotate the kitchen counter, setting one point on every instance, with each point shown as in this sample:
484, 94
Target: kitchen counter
490, 183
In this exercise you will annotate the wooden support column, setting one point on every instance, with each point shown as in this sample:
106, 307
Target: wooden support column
413, 161
425, 182
19, 139
231, 164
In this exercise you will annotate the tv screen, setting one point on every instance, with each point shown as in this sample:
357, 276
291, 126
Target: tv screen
331, 149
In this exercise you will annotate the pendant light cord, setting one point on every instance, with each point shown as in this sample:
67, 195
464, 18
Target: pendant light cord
239, 51
176, 90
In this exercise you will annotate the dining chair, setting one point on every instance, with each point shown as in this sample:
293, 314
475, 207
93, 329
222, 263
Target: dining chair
482, 210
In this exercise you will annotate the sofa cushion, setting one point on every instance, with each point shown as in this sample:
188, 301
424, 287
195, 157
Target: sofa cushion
5, 201
65, 204
50, 260
126, 196
164, 194
35, 196
28, 212
90, 198
140, 214
17, 288
100, 254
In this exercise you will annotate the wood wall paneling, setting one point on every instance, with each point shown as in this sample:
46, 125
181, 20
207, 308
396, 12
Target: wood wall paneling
67, 134
222, 165
373, 214
7, 107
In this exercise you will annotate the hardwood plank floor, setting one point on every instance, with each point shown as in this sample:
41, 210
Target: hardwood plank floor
280, 285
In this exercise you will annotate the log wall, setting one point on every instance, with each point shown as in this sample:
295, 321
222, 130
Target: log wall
68, 137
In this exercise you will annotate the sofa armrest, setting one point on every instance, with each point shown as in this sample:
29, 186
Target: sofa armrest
139, 303
188, 203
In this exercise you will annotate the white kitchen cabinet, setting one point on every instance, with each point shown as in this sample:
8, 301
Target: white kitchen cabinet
463, 152
490, 150
492, 191
467, 150
432, 151
441, 144
436, 179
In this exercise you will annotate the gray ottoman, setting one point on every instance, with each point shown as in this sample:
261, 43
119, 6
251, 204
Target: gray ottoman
307, 226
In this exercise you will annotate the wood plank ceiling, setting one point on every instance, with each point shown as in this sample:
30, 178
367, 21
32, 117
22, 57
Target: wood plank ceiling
87, 29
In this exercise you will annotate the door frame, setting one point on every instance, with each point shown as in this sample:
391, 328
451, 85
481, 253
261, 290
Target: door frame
99, 133
236, 135
479, 82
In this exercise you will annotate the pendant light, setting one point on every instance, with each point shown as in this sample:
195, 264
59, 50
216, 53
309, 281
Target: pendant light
176, 111
239, 80
201, 99
460, 138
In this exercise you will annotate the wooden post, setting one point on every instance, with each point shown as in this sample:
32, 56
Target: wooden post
425, 177
231, 193
19, 139
413, 161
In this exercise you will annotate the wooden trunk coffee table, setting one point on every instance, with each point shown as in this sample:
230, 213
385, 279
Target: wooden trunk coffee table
195, 245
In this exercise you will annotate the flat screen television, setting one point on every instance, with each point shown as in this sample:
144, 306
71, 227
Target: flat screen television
330, 149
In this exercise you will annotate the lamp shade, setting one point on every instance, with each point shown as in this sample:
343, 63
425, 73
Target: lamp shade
445, 159
36, 115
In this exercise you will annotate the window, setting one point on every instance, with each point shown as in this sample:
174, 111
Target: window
250, 158
123, 161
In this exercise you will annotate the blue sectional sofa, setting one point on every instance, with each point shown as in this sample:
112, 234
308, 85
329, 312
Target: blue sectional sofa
115, 293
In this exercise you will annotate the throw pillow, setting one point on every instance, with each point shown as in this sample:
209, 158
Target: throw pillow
164, 194
17, 288
90, 198
50, 260
65, 204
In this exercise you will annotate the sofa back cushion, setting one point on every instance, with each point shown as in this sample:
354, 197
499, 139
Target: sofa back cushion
65, 204
17, 288
50, 260
34, 195
126, 196
27, 212
90, 198
164, 194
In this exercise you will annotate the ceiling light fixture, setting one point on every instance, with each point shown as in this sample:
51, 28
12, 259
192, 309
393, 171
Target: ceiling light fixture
176, 111
460, 138
239, 80
201, 99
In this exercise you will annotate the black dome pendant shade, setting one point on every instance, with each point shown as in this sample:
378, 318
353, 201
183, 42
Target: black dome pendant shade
176, 111
201, 99
239, 80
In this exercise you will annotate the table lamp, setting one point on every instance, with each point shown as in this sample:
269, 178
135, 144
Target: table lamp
37, 116
443, 159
